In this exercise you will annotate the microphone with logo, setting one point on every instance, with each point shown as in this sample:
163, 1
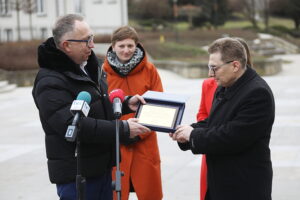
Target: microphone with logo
116, 97
79, 108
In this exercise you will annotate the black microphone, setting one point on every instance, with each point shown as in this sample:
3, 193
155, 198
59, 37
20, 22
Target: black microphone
117, 97
80, 107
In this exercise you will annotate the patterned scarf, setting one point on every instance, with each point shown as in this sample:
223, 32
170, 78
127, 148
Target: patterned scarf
124, 69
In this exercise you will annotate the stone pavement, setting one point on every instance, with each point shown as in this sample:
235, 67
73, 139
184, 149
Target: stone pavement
23, 170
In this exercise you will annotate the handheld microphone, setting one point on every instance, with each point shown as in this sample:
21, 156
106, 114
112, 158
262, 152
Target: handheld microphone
117, 97
79, 108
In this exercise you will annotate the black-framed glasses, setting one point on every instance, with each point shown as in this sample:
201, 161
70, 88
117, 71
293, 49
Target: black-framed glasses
88, 41
214, 68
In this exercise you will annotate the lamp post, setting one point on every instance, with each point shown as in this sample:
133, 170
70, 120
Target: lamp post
175, 15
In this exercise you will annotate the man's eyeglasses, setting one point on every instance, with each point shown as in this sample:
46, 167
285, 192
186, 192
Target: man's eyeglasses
214, 68
88, 41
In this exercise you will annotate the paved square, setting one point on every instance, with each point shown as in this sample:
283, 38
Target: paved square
23, 168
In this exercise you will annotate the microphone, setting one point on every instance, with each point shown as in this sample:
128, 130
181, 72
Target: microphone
79, 108
116, 97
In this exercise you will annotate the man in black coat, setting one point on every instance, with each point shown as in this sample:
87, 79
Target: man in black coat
68, 66
236, 135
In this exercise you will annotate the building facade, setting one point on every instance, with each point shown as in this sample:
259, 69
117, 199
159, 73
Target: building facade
33, 19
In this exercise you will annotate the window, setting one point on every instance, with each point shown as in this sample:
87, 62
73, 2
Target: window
44, 34
4, 7
78, 6
40, 6
9, 35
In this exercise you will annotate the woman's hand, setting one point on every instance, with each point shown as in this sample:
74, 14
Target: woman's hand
133, 102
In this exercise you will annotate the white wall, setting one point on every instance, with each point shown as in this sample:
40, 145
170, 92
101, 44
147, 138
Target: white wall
103, 16
107, 15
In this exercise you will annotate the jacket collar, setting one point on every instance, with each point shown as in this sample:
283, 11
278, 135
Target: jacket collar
50, 57
231, 91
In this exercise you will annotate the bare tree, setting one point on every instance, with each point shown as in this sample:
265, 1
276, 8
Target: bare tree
216, 11
190, 11
150, 9
17, 6
287, 8
294, 12
266, 13
29, 7
250, 11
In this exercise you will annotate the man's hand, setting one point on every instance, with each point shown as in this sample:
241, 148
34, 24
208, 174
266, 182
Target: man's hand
134, 102
182, 133
136, 128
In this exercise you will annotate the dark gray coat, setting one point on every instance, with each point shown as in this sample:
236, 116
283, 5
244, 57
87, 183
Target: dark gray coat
235, 138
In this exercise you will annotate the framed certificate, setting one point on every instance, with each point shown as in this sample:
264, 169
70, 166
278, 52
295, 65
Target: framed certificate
160, 114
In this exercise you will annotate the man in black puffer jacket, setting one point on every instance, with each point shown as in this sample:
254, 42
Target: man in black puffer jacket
67, 67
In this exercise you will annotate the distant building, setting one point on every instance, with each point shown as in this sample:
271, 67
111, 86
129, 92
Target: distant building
102, 15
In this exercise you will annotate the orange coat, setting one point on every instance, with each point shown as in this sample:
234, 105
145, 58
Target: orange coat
209, 87
140, 161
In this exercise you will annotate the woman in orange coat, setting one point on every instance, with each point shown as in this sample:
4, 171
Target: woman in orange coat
128, 69
209, 87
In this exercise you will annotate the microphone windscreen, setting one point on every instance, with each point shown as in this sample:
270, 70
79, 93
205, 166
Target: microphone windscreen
85, 96
117, 93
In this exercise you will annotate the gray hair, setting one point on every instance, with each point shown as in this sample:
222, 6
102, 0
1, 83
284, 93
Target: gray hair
63, 25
